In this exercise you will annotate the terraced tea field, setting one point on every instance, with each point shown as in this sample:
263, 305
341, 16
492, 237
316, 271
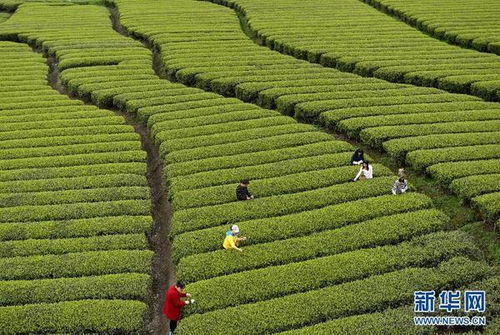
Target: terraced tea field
473, 24
126, 126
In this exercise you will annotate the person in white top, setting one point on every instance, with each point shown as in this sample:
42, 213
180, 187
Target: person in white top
365, 172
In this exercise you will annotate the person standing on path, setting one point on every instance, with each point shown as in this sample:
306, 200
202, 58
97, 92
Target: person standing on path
172, 307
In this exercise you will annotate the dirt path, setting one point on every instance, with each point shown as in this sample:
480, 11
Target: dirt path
163, 269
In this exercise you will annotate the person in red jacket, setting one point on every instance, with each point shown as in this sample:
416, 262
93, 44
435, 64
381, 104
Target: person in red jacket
174, 303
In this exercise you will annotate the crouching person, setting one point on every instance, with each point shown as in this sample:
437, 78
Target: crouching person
242, 192
232, 240
358, 157
174, 303
365, 172
400, 186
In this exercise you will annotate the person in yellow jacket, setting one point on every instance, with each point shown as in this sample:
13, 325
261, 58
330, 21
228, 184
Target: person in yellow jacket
232, 240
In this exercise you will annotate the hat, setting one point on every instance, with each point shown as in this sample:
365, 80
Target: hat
235, 229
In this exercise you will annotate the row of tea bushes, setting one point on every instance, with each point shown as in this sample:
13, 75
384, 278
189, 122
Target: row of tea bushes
74, 208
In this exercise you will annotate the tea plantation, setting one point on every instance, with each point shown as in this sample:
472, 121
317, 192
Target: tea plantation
107, 106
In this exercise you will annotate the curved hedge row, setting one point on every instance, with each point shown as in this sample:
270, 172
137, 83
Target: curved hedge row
399, 118
380, 231
127, 286
472, 25
344, 42
332, 302
397, 321
84, 315
301, 224
276, 281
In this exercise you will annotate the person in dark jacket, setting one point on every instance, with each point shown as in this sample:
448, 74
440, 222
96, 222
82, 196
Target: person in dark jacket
358, 157
174, 303
242, 192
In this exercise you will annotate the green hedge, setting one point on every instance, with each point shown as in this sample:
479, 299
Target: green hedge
462, 84
354, 125
300, 224
93, 71
267, 97
77, 131
84, 182
284, 184
103, 95
250, 91
379, 231
277, 281
75, 211
248, 146
138, 168
259, 157
446, 172
104, 316
488, 90
209, 216
231, 137
212, 123
92, 60
10, 200
81, 244
105, 120
186, 134
225, 82
23, 84
331, 118
286, 103
75, 228
200, 112
428, 17
399, 147
377, 135
74, 84
259, 171
72, 149
128, 286
420, 159
67, 140
72, 160
312, 110
389, 322
90, 112
134, 105
145, 112
332, 302
475, 185
48, 96
43, 94
153, 91
39, 104
489, 205
76, 264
